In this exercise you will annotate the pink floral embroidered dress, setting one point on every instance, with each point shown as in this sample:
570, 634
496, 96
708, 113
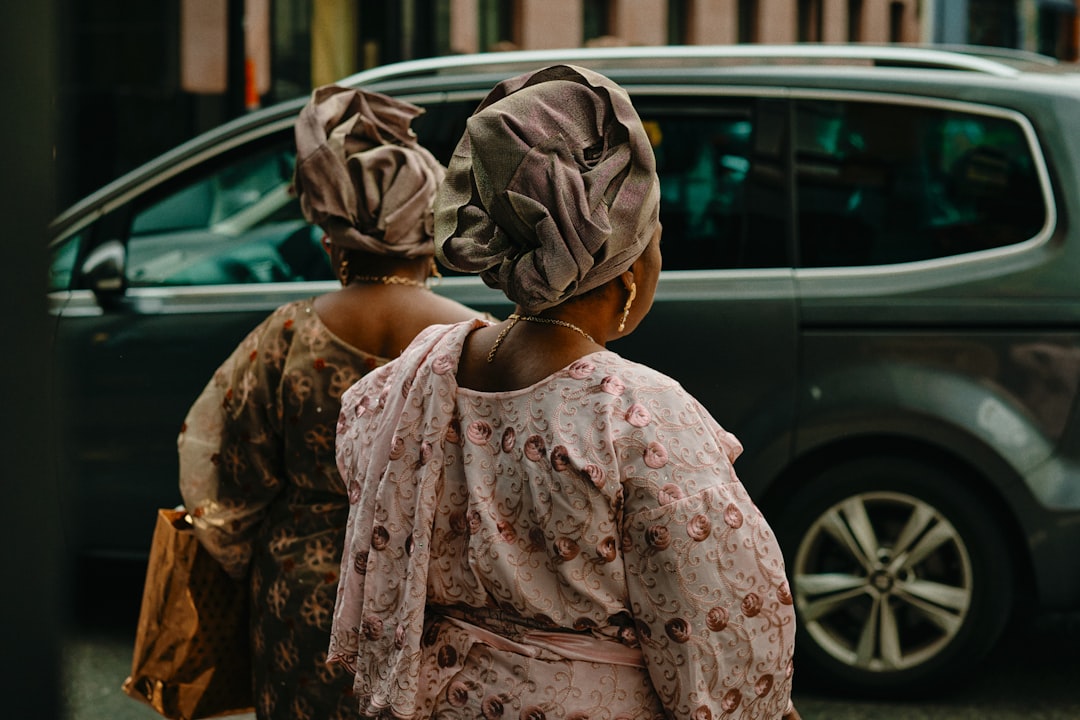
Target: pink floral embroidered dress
257, 472
580, 548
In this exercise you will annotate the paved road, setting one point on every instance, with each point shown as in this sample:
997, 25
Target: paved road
1033, 675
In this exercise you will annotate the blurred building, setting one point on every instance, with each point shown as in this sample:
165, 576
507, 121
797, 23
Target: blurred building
137, 78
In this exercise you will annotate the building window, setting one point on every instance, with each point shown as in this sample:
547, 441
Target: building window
1058, 32
380, 36
419, 28
498, 25
597, 18
748, 21
291, 48
678, 21
810, 21
993, 23
439, 27
896, 21
854, 20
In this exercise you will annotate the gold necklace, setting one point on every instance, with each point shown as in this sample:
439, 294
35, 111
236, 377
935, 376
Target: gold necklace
514, 318
389, 280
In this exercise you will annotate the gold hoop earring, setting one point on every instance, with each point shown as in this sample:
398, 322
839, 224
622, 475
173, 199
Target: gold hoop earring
343, 271
626, 307
434, 272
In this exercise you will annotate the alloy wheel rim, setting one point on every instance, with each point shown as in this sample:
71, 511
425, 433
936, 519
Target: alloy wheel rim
882, 581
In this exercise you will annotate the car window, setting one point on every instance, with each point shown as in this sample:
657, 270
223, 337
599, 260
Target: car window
881, 183
62, 258
234, 223
721, 182
441, 125
720, 167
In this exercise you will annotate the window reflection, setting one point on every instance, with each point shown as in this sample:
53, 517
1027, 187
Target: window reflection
237, 224
882, 184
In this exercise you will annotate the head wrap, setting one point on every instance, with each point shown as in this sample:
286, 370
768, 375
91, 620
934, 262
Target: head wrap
360, 174
552, 191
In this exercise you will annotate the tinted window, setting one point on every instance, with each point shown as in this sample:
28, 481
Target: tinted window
881, 184
62, 257
440, 128
233, 223
720, 166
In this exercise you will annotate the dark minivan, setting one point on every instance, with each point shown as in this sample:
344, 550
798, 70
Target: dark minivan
870, 276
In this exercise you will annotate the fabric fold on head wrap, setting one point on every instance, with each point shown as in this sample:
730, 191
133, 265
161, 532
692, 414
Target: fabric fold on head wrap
552, 191
360, 174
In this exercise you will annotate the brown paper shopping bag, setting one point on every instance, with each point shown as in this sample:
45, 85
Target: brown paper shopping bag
192, 658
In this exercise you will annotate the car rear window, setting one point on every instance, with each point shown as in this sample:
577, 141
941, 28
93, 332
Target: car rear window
882, 183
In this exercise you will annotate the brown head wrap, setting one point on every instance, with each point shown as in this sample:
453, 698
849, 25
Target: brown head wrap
552, 191
360, 174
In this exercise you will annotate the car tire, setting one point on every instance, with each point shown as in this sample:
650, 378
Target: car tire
902, 580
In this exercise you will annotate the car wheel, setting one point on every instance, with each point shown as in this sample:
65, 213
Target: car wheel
900, 577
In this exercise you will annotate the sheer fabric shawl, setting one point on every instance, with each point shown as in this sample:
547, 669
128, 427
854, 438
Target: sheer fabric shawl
405, 409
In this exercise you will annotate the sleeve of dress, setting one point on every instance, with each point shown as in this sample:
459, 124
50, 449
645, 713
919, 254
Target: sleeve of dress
230, 451
705, 575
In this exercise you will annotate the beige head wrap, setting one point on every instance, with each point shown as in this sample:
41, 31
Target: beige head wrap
360, 174
552, 191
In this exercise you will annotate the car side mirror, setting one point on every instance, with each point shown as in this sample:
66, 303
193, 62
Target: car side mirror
103, 269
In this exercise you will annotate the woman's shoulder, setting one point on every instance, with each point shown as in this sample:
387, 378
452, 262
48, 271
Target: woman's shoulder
648, 393
608, 368
448, 311
285, 317
435, 347
297, 322
274, 328
642, 392
442, 342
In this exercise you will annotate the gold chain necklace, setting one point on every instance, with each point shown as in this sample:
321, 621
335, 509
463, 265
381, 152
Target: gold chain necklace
534, 319
389, 280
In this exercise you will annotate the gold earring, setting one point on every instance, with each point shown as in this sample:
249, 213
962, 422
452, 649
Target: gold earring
626, 307
343, 271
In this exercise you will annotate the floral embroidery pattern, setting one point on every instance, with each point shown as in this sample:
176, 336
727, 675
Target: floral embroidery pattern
273, 404
599, 502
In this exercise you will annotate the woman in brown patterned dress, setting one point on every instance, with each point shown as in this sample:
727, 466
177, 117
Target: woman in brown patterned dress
257, 468
539, 527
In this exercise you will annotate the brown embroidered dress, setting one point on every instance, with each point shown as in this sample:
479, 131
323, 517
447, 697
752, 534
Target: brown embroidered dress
580, 548
257, 471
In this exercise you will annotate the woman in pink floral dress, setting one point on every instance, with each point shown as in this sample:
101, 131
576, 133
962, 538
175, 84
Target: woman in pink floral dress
257, 468
540, 528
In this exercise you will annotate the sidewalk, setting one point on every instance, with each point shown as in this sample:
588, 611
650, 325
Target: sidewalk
95, 666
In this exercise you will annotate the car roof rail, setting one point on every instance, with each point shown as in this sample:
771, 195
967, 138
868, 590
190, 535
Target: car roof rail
991, 61
1004, 54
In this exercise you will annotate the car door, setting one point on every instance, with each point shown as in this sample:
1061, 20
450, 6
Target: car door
723, 322
149, 300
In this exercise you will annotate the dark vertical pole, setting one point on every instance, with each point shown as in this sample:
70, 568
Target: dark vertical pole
31, 600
